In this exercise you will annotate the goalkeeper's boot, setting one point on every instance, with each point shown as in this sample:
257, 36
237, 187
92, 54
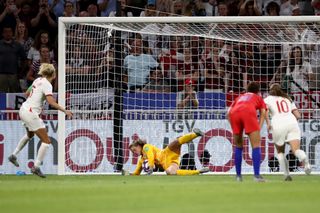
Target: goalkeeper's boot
37, 171
239, 178
259, 178
307, 168
204, 170
288, 178
198, 132
13, 160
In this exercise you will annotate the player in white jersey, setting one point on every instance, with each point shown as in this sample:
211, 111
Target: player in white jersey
39, 92
285, 128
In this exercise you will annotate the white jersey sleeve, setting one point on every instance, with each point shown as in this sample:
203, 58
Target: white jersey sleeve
47, 88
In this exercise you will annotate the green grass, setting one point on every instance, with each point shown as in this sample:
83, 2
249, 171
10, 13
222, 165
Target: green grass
93, 194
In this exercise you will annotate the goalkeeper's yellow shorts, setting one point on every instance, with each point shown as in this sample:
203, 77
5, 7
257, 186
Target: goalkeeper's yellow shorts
168, 157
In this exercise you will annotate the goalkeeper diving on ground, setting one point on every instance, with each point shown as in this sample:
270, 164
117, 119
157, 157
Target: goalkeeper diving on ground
167, 159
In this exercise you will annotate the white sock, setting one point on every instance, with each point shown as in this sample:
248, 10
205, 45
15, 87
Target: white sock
41, 154
301, 155
23, 141
283, 164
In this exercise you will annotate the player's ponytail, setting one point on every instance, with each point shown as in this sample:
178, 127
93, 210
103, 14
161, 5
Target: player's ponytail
46, 70
275, 90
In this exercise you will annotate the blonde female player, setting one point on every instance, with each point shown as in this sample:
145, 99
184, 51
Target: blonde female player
168, 158
285, 128
40, 90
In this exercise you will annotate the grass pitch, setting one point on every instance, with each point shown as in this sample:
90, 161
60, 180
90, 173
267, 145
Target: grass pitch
166, 194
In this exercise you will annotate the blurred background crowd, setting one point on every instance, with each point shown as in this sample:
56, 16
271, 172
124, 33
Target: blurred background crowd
29, 37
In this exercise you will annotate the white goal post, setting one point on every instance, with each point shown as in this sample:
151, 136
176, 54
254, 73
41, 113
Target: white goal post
109, 70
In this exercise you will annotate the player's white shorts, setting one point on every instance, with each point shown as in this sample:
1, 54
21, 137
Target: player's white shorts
30, 120
285, 132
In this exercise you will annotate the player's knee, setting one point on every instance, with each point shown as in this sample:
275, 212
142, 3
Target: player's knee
280, 156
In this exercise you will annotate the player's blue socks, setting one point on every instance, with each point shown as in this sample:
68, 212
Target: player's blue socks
256, 157
238, 160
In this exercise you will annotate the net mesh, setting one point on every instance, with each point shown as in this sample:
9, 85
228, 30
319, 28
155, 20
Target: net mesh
158, 81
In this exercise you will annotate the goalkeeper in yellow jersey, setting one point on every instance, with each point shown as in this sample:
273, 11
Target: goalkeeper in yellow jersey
168, 158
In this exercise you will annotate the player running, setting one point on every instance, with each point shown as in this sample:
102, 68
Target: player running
167, 159
285, 128
39, 91
242, 116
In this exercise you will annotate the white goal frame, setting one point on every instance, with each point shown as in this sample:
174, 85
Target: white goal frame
93, 20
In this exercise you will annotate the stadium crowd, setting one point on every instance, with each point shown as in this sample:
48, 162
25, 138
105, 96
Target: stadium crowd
29, 37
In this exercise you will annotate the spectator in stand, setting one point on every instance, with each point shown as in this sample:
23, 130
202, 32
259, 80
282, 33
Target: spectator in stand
177, 7
169, 60
77, 63
210, 7
136, 6
107, 71
92, 10
138, 65
237, 74
300, 70
164, 6
248, 8
44, 20
187, 99
223, 8
125, 11
150, 9
42, 38
233, 8
198, 8
187, 69
107, 6
82, 5
58, 7
25, 14
35, 67
84, 14
316, 6
273, 9
287, 6
295, 73
296, 11
12, 56
22, 36
215, 80
69, 10
9, 15
157, 84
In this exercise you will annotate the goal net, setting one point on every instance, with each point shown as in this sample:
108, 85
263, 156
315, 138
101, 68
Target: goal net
158, 78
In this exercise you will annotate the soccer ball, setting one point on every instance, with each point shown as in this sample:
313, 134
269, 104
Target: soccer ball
145, 166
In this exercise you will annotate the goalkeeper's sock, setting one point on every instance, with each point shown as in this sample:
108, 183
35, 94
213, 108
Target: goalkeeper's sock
23, 141
301, 155
187, 138
187, 172
238, 160
41, 154
256, 157
283, 164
